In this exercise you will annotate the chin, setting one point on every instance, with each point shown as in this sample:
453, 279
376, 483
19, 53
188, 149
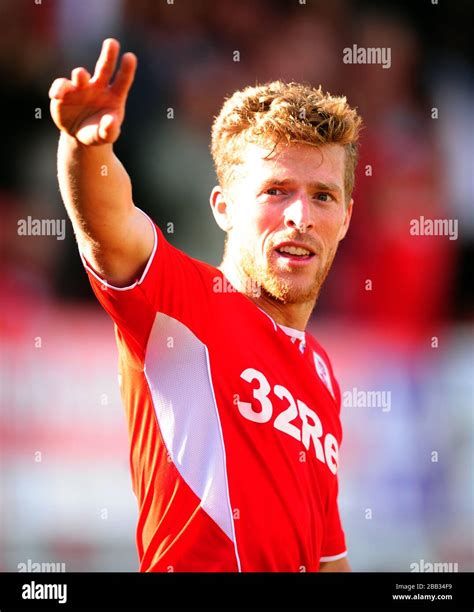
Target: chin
289, 292
302, 296
286, 287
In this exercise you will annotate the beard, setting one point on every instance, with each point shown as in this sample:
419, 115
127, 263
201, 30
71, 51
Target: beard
273, 283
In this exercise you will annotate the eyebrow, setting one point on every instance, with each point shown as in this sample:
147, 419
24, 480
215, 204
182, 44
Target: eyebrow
314, 186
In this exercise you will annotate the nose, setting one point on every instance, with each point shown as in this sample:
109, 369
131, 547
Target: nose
299, 214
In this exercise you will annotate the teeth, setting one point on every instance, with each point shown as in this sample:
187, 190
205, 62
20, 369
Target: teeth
294, 250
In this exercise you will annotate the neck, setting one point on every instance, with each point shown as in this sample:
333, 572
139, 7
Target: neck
295, 316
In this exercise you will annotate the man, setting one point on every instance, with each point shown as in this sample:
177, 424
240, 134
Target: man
232, 408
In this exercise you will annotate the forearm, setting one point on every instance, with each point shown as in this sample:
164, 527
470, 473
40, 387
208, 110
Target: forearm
96, 191
340, 565
116, 238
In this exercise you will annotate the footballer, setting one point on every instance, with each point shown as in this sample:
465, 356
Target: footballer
233, 410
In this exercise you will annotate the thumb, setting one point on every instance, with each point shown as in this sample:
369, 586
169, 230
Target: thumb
109, 127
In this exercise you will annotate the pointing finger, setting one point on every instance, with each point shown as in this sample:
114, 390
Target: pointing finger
125, 75
106, 63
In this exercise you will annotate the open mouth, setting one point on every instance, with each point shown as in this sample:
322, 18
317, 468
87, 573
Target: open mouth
294, 253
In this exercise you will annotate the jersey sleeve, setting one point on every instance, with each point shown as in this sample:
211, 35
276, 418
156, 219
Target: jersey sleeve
334, 545
172, 283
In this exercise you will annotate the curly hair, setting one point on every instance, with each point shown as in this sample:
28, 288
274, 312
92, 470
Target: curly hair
283, 113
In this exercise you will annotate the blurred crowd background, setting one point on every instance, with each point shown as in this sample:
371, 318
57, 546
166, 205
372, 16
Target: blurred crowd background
406, 473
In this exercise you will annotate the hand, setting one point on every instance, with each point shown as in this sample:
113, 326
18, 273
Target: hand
91, 109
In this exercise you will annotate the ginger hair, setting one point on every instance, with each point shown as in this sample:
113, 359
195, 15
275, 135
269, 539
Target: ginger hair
280, 113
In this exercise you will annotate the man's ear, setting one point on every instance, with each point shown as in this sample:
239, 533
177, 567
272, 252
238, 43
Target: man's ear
221, 208
347, 220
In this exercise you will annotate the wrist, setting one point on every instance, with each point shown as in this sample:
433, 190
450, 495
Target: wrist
72, 143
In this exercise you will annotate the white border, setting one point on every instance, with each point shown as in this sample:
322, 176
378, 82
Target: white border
333, 557
224, 456
145, 271
267, 315
232, 524
294, 333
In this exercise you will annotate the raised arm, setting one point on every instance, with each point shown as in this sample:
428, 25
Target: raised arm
114, 236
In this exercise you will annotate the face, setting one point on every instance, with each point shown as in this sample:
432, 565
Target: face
284, 218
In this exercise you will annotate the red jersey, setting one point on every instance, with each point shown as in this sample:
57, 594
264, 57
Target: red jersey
233, 423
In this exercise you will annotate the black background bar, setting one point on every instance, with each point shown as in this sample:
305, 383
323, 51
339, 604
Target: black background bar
316, 591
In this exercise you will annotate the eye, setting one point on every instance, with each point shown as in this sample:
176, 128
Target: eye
273, 191
324, 196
